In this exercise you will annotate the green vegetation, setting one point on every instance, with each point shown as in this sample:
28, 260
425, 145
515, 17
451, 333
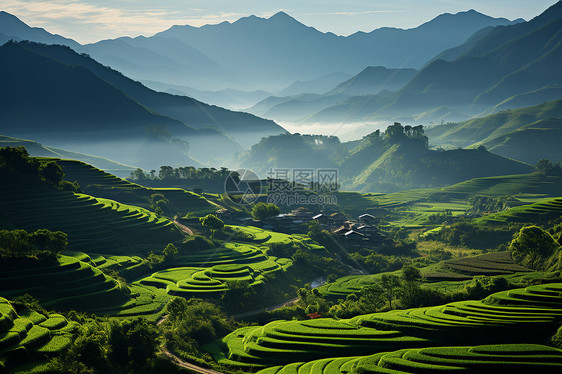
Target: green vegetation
506, 317
20, 243
395, 160
99, 183
262, 211
28, 335
526, 134
482, 359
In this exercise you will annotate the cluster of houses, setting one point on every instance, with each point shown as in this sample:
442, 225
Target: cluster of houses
362, 231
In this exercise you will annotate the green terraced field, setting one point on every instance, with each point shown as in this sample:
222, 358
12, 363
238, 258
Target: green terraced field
92, 224
494, 263
98, 183
490, 264
540, 211
414, 206
26, 335
527, 315
208, 272
505, 358
66, 283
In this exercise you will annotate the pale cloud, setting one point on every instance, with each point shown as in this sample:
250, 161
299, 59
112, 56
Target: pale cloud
87, 22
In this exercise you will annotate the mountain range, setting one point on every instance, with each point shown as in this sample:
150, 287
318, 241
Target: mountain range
495, 65
230, 55
57, 96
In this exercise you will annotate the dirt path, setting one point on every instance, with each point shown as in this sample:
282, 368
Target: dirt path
178, 361
181, 363
183, 227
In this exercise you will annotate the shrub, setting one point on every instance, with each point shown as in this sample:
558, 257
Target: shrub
262, 211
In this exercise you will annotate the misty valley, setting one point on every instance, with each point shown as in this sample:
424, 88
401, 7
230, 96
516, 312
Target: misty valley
259, 196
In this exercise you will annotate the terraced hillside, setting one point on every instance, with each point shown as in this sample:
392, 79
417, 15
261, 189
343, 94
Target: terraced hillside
66, 283
209, 272
527, 315
541, 211
416, 205
28, 338
99, 183
92, 224
516, 358
61, 283
489, 264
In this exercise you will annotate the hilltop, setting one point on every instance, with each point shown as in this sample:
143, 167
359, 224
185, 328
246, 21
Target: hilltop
398, 159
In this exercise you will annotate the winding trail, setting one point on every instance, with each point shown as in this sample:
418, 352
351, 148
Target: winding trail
178, 361
183, 227
186, 365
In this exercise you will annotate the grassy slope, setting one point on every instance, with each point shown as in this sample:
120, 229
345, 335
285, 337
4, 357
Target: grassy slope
540, 211
40, 150
487, 130
479, 359
410, 164
92, 224
416, 205
102, 184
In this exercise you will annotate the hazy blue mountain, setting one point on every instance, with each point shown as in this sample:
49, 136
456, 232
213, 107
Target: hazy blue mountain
55, 95
165, 60
506, 61
373, 79
296, 108
12, 28
230, 55
297, 52
227, 98
318, 85
245, 128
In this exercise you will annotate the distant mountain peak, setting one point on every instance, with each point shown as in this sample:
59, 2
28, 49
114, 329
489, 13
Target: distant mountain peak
281, 15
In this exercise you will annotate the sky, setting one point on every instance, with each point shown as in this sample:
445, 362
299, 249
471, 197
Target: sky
88, 21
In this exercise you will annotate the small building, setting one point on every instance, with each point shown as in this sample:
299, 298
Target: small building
350, 225
340, 230
302, 214
367, 219
338, 218
322, 219
353, 235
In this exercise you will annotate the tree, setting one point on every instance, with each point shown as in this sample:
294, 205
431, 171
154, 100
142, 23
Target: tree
411, 278
544, 166
52, 172
138, 174
212, 222
262, 211
533, 247
390, 284
170, 252
159, 203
